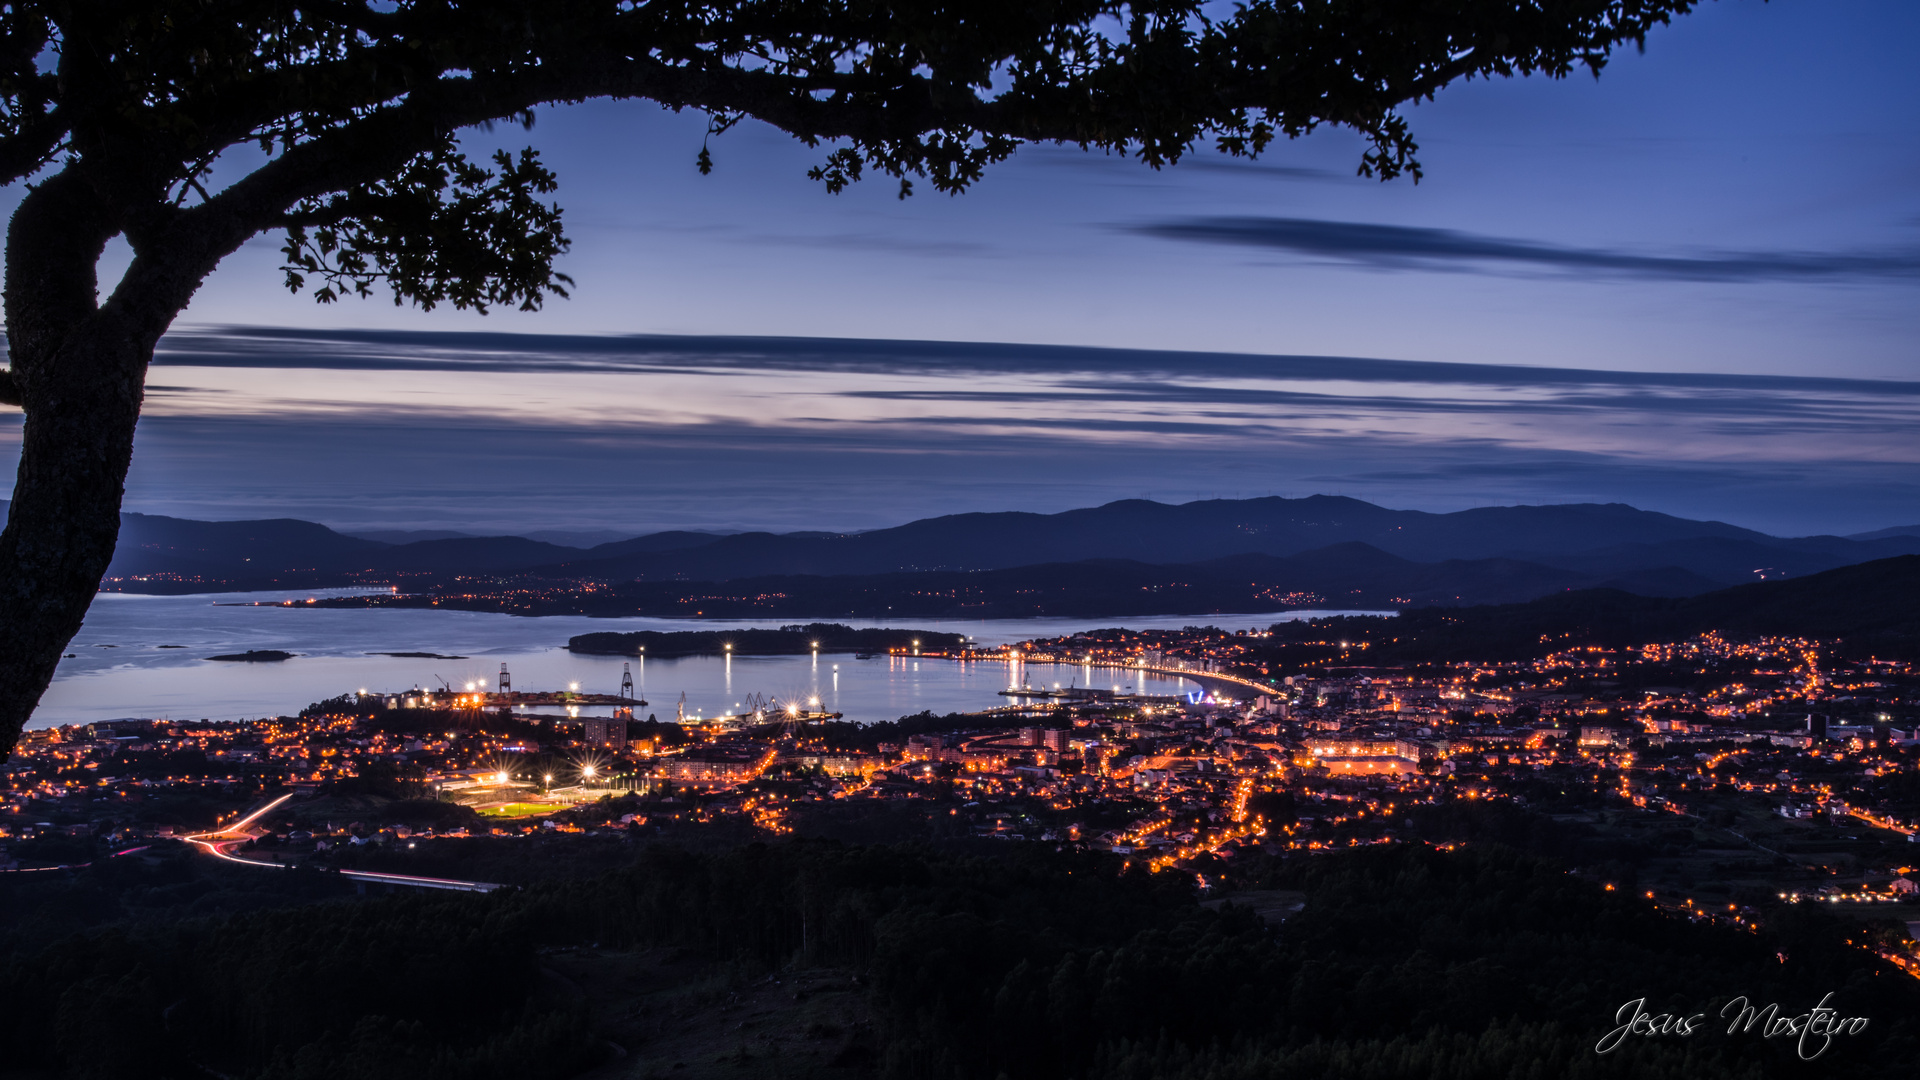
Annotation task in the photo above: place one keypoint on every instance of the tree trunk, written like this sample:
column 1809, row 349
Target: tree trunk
column 79, row 369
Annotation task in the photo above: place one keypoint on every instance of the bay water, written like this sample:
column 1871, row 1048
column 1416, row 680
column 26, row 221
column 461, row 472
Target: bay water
column 146, row 656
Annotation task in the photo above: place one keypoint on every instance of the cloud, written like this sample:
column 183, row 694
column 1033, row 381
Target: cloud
column 712, row 354
column 437, row 472
column 810, row 387
column 1400, row 247
column 379, row 429
column 1264, row 169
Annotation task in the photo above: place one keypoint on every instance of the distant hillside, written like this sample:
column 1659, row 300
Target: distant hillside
column 1873, row 607
column 1720, row 561
column 1344, row 576
column 193, row 555
column 1887, row 534
column 1586, row 544
column 1159, row 533
column 151, row 544
column 407, row 536
column 1594, row 539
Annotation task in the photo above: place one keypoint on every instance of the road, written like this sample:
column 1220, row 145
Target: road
column 1216, row 676
column 217, row 844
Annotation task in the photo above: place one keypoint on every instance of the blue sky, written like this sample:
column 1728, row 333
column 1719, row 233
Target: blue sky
column 1732, row 214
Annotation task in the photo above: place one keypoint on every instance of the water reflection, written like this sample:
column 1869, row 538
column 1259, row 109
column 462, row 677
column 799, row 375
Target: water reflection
column 141, row 656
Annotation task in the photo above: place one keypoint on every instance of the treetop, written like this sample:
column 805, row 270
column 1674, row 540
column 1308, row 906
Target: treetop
column 355, row 104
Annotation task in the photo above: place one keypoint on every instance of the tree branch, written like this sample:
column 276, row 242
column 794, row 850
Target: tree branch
column 54, row 244
column 1158, row 94
column 373, row 147
column 32, row 146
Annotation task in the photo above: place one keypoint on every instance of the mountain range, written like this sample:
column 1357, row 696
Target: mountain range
column 1488, row 554
column 1348, row 576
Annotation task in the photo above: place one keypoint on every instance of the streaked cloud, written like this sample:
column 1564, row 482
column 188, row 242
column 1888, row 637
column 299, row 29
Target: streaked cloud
column 511, row 433
column 1401, row 247
column 833, row 389
column 453, row 352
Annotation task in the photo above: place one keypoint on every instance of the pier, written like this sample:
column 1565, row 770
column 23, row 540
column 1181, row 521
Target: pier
column 623, row 706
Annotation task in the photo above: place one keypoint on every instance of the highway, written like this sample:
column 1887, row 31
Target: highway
column 216, row 844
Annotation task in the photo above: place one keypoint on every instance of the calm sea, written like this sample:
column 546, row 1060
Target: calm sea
column 145, row 656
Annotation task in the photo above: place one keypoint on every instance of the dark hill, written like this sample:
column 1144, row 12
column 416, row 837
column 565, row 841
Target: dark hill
column 1160, row 533
column 301, row 554
column 653, row 543
column 1585, row 544
column 151, row 544
column 467, row 555
column 406, row 536
column 1885, row 534
column 1718, row 560
column 1346, row 576
column 1867, row 600
column 1871, row 607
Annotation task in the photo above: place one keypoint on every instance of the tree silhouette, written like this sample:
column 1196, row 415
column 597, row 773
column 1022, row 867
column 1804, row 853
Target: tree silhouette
column 115, row 112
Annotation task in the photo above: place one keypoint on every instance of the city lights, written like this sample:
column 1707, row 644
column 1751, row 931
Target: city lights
column 1262, row 746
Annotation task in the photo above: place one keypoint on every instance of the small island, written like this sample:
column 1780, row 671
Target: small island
column 786, row 641
column 256, row 656
column 418, row 655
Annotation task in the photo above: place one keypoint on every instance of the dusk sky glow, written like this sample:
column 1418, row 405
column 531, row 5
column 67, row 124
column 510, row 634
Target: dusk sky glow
column 1693, row 285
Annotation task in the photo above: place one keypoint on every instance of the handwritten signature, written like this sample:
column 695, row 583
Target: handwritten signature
column 1813, row 1031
